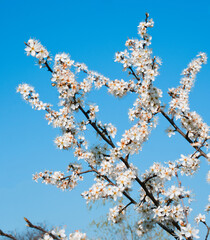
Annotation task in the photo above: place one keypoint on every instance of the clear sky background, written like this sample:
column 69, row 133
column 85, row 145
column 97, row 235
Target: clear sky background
column 91, row 31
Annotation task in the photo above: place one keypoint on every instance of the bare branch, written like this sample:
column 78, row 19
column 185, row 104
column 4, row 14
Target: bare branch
column 7, row 235
column 29, row 224
column 208, row 230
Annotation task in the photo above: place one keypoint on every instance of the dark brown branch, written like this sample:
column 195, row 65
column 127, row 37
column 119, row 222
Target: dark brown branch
column 199, row 148
column 182, row 133
column 208, row 230
column 80, row 173
column 151, row 177
column 48, row 67
column 170, row 231
column 131, row 69
column 93, row 124
column 29, row 224
column 125, row 207
column 7, row 235
column 149, row 194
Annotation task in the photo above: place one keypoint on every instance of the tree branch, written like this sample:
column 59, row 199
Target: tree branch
column 170, row 231
column 109, row 141
column 29, row 224
column 182, row 133
column 208, row 230
column 7, row 235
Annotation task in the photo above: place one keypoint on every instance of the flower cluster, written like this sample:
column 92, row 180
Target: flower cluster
column 112, row 130
column 120, row 179
column 60, row 234
column 101, row 190
column 134, row 138
column 180, row 95
column 196, row 129
column 119, row 88
column 188, row 164
column 35, row 49
column 116, row 214
column 59, row 179
column 65, row 141
column 188, row 232
column 32, row 97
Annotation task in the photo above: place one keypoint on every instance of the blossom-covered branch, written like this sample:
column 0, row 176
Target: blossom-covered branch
column 159, row 201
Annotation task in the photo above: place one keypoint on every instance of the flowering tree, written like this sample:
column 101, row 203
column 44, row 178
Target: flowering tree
column 160, row 202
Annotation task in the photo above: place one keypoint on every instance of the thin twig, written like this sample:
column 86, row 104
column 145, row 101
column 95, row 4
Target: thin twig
column 78, row 173
column 121, row 210
column 151, row 177
column 170, row 231
column 180, row 185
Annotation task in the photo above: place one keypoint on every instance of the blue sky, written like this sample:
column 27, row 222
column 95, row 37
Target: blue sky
column 91, row 31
